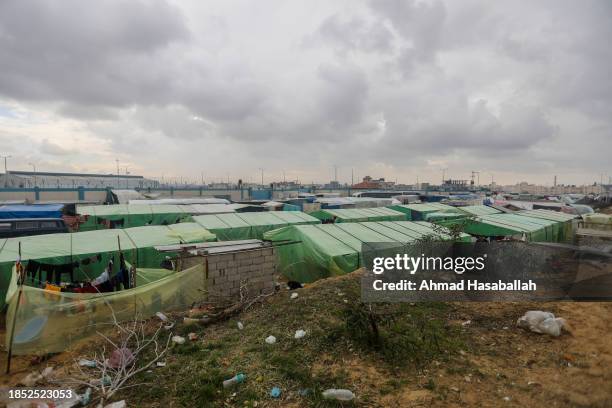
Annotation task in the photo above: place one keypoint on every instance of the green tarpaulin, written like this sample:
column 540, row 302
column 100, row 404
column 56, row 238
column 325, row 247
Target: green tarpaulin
column 478, row 210
column 511, row 225
column 253, row 225
column 313, row 252
column 567, row 223
column 60, row 249
column 359, row 215
column 131, row 215
column 417, row 212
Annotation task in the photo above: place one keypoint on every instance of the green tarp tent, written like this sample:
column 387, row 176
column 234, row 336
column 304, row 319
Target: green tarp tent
column 359, row 215
column 567, row 222
column 131, row 215
column 60, row 249
column 478, row 210
column 417, row 212
column 253, row 225
column 318, row 251
column 511, row 225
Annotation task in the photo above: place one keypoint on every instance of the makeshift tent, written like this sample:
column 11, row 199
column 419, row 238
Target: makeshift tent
column 417, row 212
column 131, row 215
column 251, row 225
column 359, row 215
column 441, row 217
column 48, row 321
column 478, row 210
column 65, row 249
column 31, row 211
column 511, row 225
column 182, row 201
column 567, row 222
column 598, row 221
column 313, row 252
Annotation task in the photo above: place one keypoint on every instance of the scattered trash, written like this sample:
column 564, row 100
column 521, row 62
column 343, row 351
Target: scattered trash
column 106, row 380
column 466, row 323
column 87, row 363
column 292, row 285
column 299, row 334
column 178, row 339
column 294, row 295
column 118, row 404
column 169, row 326
column 237, row 379
column 270, row 339
column 338, row 394
column 34, row 377
column 240, row 326
column 120, row 358
column 303, row 392
column 161, row 364
column 275, row 392
column 506, row 399
column 192, row 336
column 188, row 321
column 162, row 317
column 85, row 398
column 542, row 322
column 454, row 389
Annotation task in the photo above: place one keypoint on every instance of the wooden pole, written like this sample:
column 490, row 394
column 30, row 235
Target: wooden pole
column 20, row 280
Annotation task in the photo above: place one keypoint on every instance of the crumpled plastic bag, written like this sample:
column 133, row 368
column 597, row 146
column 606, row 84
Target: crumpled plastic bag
column 542, row 322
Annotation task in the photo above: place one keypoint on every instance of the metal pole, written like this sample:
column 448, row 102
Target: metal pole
column 34, row 167
column 20, row 280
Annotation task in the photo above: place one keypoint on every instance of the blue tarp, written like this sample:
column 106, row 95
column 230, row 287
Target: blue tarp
column 31, row 211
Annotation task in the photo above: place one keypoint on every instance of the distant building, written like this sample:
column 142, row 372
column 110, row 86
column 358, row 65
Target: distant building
column 368, row 183
column 30, row 179
column 455, row 185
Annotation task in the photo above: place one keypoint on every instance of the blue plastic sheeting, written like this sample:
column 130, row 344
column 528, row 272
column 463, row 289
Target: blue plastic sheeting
column 31, row 211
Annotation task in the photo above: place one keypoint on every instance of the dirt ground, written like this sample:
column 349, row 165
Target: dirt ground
column 499, row 365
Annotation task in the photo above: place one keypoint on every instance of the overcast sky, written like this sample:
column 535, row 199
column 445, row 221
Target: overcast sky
column 521, row 90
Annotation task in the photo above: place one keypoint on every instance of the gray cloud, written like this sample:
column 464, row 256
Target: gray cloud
column 389, row 84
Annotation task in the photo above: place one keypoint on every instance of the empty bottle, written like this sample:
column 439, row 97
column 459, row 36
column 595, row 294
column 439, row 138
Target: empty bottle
column 237, row 379
column 338, row 394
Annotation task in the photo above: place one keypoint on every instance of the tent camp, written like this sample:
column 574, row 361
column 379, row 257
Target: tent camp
column 358, row 215
column 55, row 251
column 418, row 212
column 251, row 225
column 318, row 251
column 130, row 215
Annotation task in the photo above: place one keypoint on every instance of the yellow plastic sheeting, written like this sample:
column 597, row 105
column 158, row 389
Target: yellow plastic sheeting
column 49, row 322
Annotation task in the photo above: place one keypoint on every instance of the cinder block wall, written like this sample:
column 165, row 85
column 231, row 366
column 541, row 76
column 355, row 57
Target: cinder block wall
column 255, row 269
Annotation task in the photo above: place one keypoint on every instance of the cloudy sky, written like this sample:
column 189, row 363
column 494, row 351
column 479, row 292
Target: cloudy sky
column 518, row 90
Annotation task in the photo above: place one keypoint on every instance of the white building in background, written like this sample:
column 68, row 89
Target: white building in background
column 30, row 179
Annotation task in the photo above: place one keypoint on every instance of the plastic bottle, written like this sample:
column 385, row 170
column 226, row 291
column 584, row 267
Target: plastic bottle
column 338, row 394
column 237, row 379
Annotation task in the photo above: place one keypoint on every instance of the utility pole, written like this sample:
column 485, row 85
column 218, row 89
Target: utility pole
column 335, row 173
column 443, row 174
column 117, row 160
column 261, row 169
column 34, row 167
column 5, row 170
column 352, row 178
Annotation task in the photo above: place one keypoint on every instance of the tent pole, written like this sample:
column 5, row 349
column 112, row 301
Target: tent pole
column 20, row 279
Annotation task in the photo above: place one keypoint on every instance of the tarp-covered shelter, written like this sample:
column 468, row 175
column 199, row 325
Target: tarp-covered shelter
column 50, row 321
column 130, row 215
column 31, row 211
column 56, row 250
column 358, row 215
column 418, row 212
column 598, row 221
column 313, row 252
column 478, row 210
column 567, row 222
column 252, row 225
column 512, row 225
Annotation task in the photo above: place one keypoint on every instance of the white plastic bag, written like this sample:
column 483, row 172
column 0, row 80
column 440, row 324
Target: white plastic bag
column 542, row 322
